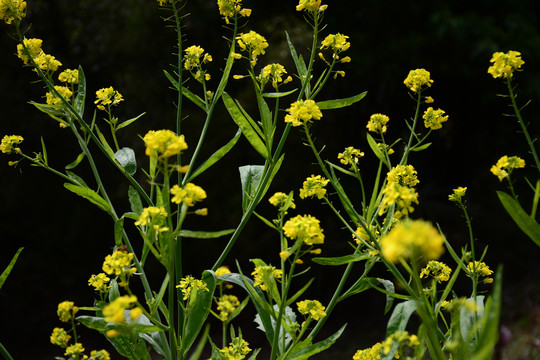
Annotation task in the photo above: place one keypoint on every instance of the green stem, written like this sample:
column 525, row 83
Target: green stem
column 5, row 353
column 413, row 129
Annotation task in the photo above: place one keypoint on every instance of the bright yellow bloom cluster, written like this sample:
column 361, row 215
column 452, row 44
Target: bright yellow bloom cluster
column 107, row 97
column 155, row 216
column 229, row 8
column 75, row 351
column 372, row 353
column 163, row 143
column 337, row 42
column 44, row 61
column 302, row 112
column 69, row 76
column 350, row 156
column 100, row 355
column 505, row 165
column 66, row 311
column 401, row 337
column 402, row 196
column 304, row 228
column 417, row 79
column 412, row 238
column 279, row 199
column 253, row 43
column 311, row 308
column 114, row 312
column 377, row 123
column 275, row 73
column 262, row 275
column 192, row 57
column 434, row 118
column 222, row 270
column 60, row 337
column 237, row 349
column 438, row 270
column 189, row 194
column 481, row 270
column 457, row 194
column 189, row 284
column 226, row 306
column 504, row 65
column 120, row 263
column 314, row 186
column 404, row 175
column 7, row 146
column 361, row 234
column 100, row 282
column 64, row 91
column 311, row 6
column 12, row 10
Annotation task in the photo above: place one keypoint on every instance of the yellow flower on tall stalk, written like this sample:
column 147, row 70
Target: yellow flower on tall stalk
column 237, row 349
column 64, row 91
column 189, row 194
column 100, row 282
column 66, row 311
column 279, row 199
column 377, row 123
column 480, row 269
column 100, row 355
column 311, row 6
column 350, row 156
column 438, row 270
column 372, row 353
column 47, row 62
column 75, row 351
column 418, row 79
column 9, row 142
column 274, row 73
column 433, row 119
column 120, row 263
column 303, row 112
column 457, row 194
column 189, row 284
column 337, row 42
column 152, row 215
column 163, row 143
column 114, row 312
column 229, row 8
column 34, row 49
column 505, row 165
column 402, row 196
column 263, row 274
column 361, row 234
column 69, row 76
column 304, row 228
column 412, row 239
column 12, row 10
column 107, row 97
column 404, row 175
column 253, row 43
column 311, row 308
column 504, row 65
column 222, row 270
column 60, row 337
column 314, row 186
column 226, row 305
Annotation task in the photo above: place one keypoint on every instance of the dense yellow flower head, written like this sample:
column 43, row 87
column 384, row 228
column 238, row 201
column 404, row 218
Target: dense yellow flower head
column 337, row 42
column 60, row 337
column 12, row 10
column 314, row 186
column 222, row 270
column 438, row 270
column 402, row 196
column 372, row 353
column 433, row 119
column 120, row 263
column 417, row 79
column 311, row 308
column 152, row 215
column 100, row 282
column 403, row 339
column 253, row 43
column 350, row 156
column 457, row 194
column 189, row 194
column 226, row 305
column 75, row 351
column 361, row 234
column 412, row 238
column 189, row 284
column 66, row 311
column 377, row 123
column 480, row 269
column 107, row 97
column 47, row 62
column 9, row 142
column 114, row 312
column 164, row 143
column 311, row 6
column 64, row 91
column 404, row 175
column 304, row 228
column 34, row 49
column 237, row 349
column 303, row 112
column 504, row 65
column 279, row 199
column 192, row 60
column 229, row 8
column 69, row 76
column 263, row 274
column 505, row 165
column 100, row 355
column 274, row 73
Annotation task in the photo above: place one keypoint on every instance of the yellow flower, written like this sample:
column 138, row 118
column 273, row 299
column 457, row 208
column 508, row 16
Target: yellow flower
column 403, row 175
column 47, row 62
column 12, row 10
column 314, row 186
column 66, row 311
column 304, row 228
column 438, row 270
column 253, row 43
column 120, row 263
column 504, row 65
column 189, row 284
column 402, row 196
column 7, row 146
column 226, row 306
column 34, row 49
column 302, row 112
column 284, row 254
column 274, row 73
column 75, row 351
column 163, row 143
column 60, row 337
column 434, row 118
column 264, row 274
column 229, row 8
column 152, row 215
column 100, row 355
column 350, row 156
column 377, row 123
column 372, row 353
column 237, row 349
column 69, row 76
column 222, row 270
column 279, row 199
column 480, row 269
column 64, row 91
column 412, row 238
column 361, row 234
column 505, row 165
column 114, row 312
column 457, row 194
column 337, row 42
column 311, row 308
column 107, row 97
column 189, row 194
column 311, row 6
column 417, row 79
column 429, row 100
column 201, row 212
column 99, row 282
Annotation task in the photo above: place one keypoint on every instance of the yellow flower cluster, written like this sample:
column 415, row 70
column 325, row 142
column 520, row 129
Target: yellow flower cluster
column 226, row 306
column 192, row 60
column 253, row 43
column 229, row 8
column 314, row 186
column 155, row 216
column 311, row 308
column 222, row 270
column 237, row 349
column 120, row 263
column 60, row 337
column 438, row 270
column 114, row 312
column 412, row 238
column 404, row 340
column 372, row 353
column 350, row 156
column 66, row 311
column 64, row 91
column 163, row 143
column 75, row 351
column 434, row 118
column 100, row 355
column 279, row 199
column 417, row 79
column 7, row 146
column 481, row 270
column 44, row 61
column 69, row 76
column 337, row 42
column 302, row 112
column 189, row 284
column 264, row 274
column 377, row 123
column 12, row 10
column 504, row 65
column 361, row 234
column 107, row 97
column 311, row 6
column 457, row 194
column 189, row 194
column 100, row 282
column 399, row 190
column 304, row 228
column 505, row 165
column 275, row 73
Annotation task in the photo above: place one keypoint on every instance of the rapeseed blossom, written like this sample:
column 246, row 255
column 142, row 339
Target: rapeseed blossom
column 163, row 143
column 100, row 282
column 100, row 355
column 314, row 186
column 504, row 65
column 64, row 91
column 120, row 263
column 350, row 156
column 107, row 97
column 361, row 234
column 337, row 42
column 480, row 269
column 189, row 284
column 34, row 49
column 311, row 308
column 311, row 6
column 279, row 199
column 505, row 165
column 304, row 228
column 403, row 339
column 457, row 194
column 12, row 10
column 154, row 216
column 433, row 119
column 9, row 142
column 226, row 305
column 75, row 351
column 192, row 57
column 417, row 79
column 189, row 194
column 60, row 337
column 66, row 311
column 402, row 196
column 302, row 112
column 372, row 353
column 253, row 43
column 263, row 275
column 222, row 270
column 377, row 123
column 438, row 270
column 237, row 350
column 69, row 76
column 412, row 238
column 114, row 312
column 229, row 8
column 274, row 73
column 404, row 175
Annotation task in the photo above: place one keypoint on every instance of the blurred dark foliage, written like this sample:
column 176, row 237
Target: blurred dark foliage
column 127, row 45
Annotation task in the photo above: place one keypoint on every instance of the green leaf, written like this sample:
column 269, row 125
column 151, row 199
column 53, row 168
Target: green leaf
column 299, row 292
column 118, row 231
column 89, row 195
column 78, row 102
column 375, row 148
column 250, row 130
column 278, row 94
column 126, row 157
column 51, row 110
column 135, row 201
column 127, row 122
column 204, row 234
column 142, row 325
column 44, row 152
column 400, row 316
column 341, row 260
column 250, row 177
column 104, row 143
column 10, row 266
column 194, row 98
column 306, row 352
column 298, row 61
column 527, row 224
column 340, row 103
column 216, row 156
column 421, row 147
column 76, row 162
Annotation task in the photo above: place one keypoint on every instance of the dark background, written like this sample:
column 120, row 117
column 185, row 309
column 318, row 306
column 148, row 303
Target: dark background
column 126, row 45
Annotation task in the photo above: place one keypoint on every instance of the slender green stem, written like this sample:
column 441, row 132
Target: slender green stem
column 5, row 353
column 413, row 129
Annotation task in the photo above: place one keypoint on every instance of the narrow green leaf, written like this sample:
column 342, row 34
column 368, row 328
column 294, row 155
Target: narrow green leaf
column 310, row 350
column 421, row 147
column 78, row 102
column 226, row 73
column 51, row 110
column 44, row 152
column 126, row 157
column 127, row 122
column 275, row 170
column 341, row 260
column 266, row 221
column 400, row 316
column 104, row 143
column 196, row 354
column 118, row 231
column 299, row 292
column 340, row 103
column 375, row 148
column 274, row 95
column 10, row 266
column 194, row 98
column 135, row 201
column 528, row 225
column 76, row 162
column 76, row 178
column 173, row 81
column 204, row 234
column 89, row 195
column 250, row 176
column 302, row 70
